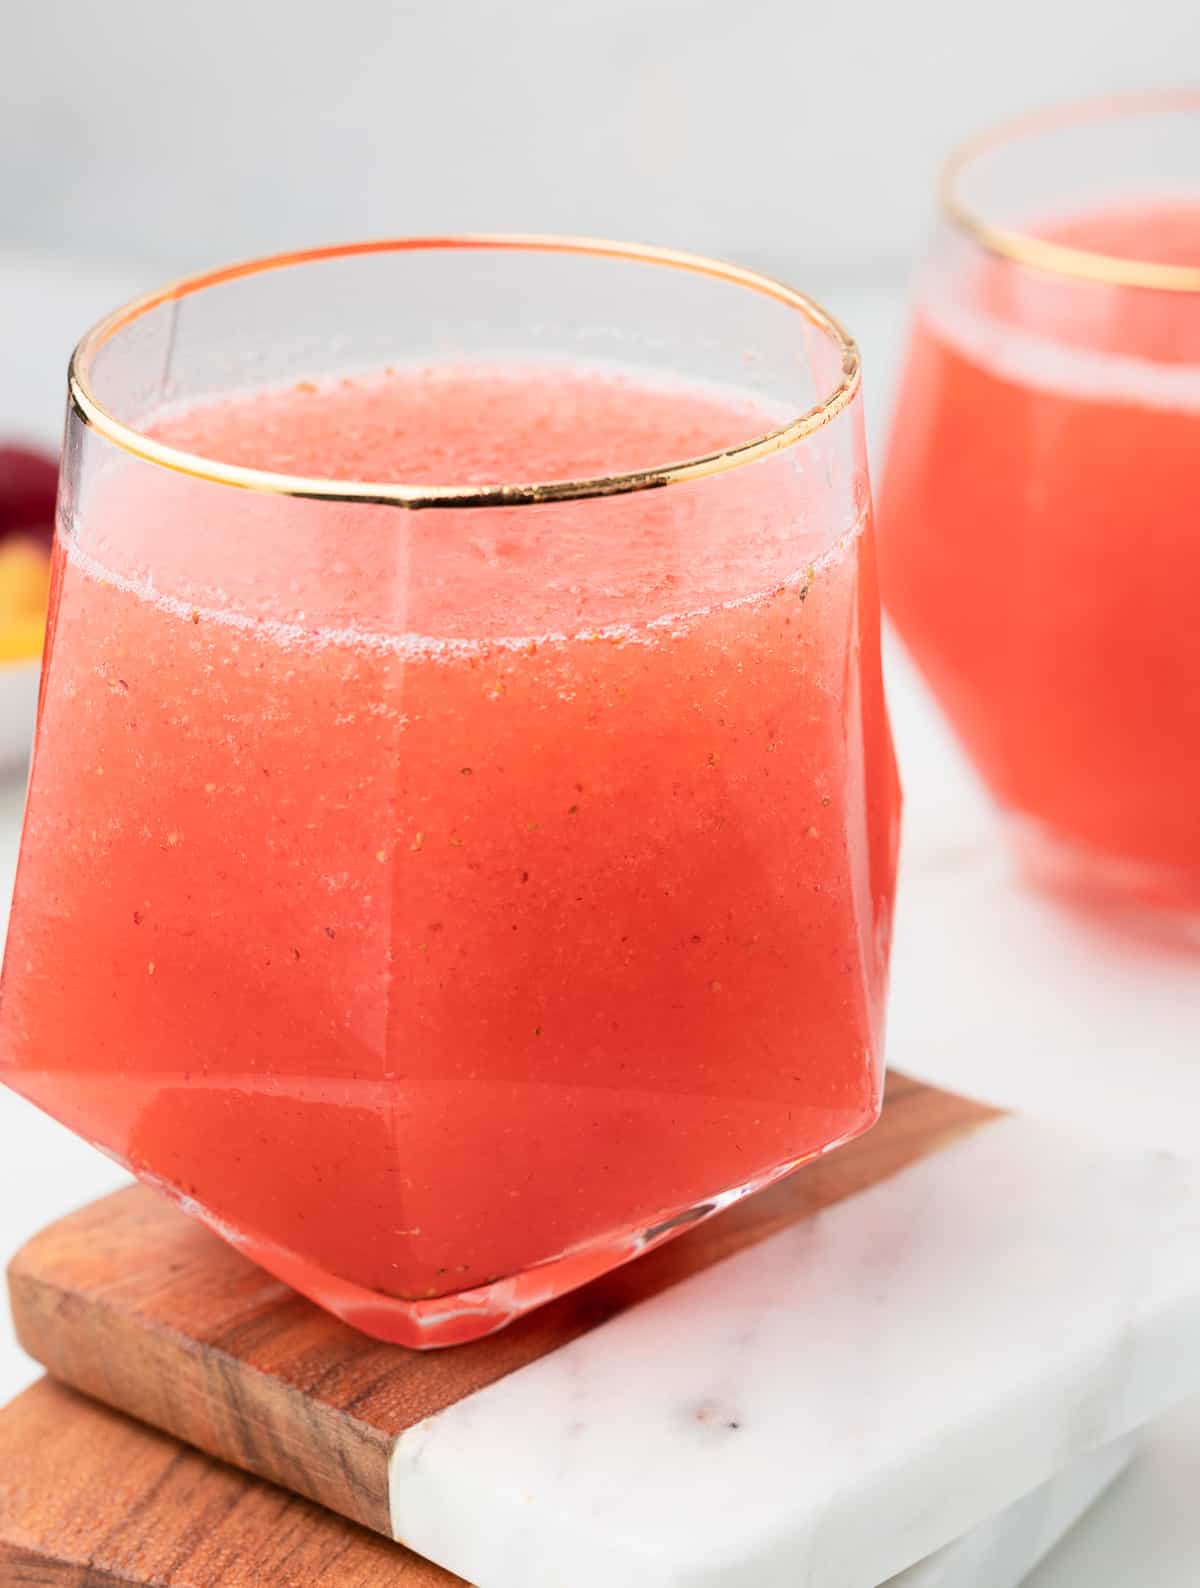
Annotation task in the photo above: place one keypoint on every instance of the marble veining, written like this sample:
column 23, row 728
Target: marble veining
column 839, row 1402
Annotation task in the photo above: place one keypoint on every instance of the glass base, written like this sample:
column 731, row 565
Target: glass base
column 457, row 1317
column 1132, row 896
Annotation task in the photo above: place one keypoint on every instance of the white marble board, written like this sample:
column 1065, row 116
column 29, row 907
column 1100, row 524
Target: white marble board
column 827, row 1408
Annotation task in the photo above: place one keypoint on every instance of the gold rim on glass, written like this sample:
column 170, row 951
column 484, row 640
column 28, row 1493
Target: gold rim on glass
column 1056, row 258
column 387, row 493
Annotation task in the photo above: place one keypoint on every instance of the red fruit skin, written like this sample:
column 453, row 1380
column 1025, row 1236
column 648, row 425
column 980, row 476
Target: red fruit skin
column 28, row 482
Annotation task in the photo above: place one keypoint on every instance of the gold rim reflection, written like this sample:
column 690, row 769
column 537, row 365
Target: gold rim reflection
column 1055, row 258
column 389, row 493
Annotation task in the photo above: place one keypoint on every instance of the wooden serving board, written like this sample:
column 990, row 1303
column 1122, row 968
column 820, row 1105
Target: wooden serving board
column 134, row 1303
column 91, row 1499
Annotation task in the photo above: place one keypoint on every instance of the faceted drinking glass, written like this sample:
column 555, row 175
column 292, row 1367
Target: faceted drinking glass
column 1037, row 519
column 461, row 836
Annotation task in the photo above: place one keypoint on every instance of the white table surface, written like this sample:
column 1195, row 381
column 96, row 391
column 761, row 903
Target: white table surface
column 1144, row 1534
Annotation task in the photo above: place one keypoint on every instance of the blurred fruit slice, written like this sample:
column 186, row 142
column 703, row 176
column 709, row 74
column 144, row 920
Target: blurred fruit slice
column 28, row 480
column 24, row 593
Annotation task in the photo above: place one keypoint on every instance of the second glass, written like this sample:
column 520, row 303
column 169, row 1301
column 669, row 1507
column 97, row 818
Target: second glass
column 1038, row 533
column 448, row 889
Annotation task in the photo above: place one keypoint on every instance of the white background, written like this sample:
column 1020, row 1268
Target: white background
column 781, row 132
column 138, row 139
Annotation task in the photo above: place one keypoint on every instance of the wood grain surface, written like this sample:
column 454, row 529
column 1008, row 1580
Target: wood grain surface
column 91, row 1499
column 138, row 1305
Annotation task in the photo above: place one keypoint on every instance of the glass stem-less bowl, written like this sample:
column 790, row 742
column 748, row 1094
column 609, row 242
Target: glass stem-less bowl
column 461, row 835
column 1038, row 538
